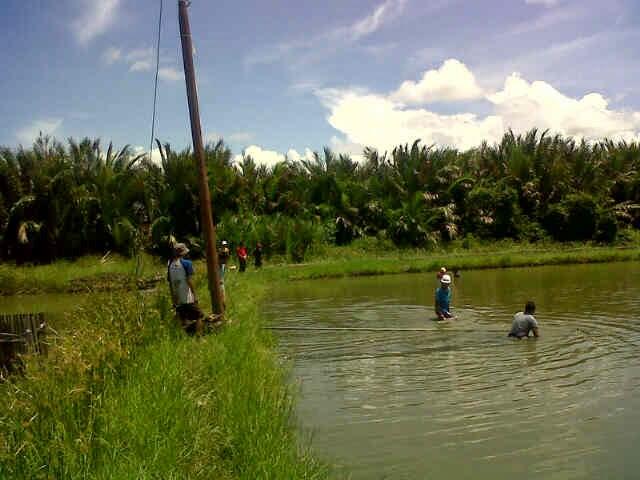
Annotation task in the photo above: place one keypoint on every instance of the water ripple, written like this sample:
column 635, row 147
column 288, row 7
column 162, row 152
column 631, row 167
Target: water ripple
column 461, row 400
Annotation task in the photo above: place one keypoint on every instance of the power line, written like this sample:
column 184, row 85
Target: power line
column 155, row 88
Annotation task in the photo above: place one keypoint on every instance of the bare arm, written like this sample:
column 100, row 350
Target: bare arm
column 535, row 332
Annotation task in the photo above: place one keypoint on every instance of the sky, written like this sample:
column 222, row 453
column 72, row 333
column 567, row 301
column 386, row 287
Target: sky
column 280, row 79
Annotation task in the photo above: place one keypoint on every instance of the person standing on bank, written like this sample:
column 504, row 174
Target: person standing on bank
column 525, row 322
column 242, row 254
column 443, row 298
column 223, row 258
column 257, row 255
column 180, row 275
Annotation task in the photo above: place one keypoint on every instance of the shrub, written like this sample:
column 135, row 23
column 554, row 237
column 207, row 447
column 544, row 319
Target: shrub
column 607, row 228
column 574, row 218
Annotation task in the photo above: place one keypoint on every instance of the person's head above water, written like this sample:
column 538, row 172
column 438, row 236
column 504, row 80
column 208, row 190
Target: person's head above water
column 530, row 307
column 445, row 280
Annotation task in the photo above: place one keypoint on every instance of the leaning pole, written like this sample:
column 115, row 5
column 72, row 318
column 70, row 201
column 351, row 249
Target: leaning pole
column 206, row 211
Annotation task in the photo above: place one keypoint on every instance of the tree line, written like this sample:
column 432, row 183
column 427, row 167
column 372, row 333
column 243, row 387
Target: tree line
column 62, row 201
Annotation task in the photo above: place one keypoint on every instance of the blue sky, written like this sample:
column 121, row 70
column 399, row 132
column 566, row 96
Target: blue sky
column 283, row 78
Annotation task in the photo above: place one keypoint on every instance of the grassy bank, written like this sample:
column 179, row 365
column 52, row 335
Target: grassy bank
column 367, row 257
column 125, row 394
column 87, row 274
column 350, row 262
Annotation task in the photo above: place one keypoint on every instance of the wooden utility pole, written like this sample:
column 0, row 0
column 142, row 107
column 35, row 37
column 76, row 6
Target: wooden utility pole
column 217, row 296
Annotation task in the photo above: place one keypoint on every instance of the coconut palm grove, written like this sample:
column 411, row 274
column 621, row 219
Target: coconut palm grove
column 62, row 200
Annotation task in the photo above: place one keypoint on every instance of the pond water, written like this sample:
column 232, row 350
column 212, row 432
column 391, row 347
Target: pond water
column 54, row 305
column 461, row 400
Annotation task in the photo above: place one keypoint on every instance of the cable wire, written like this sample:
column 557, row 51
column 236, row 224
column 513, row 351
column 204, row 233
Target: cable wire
column 155, row 88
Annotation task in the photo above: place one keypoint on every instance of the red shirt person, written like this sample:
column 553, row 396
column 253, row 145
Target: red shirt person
column 242, row 254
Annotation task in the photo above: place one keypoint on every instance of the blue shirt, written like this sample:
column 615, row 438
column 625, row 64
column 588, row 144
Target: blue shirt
column 443, row 299
column 178, row 271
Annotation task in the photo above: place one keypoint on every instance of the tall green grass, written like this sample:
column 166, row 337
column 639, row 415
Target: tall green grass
column 86, row 274
column 125, row 394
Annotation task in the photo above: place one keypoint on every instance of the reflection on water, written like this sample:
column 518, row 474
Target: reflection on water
column 461, row 400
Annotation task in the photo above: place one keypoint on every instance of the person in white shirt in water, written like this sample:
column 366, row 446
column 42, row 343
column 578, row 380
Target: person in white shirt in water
column 180, row 275
column 525, row 322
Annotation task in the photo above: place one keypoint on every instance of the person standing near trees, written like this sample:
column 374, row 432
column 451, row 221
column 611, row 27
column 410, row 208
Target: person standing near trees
column 525, row 322
column 443, row 298
column 223, row 259
column 257, row 255
column 180, row 275
column 242, row 254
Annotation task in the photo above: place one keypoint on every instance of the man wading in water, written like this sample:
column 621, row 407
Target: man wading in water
column 525, row 322
column 179, row 275
column 443, row 298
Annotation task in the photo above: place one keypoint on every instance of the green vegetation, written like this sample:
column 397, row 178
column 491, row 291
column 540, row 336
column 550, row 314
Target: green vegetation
column 86, row 274
column 125, row 394
column 363, row 256
column 59, row 202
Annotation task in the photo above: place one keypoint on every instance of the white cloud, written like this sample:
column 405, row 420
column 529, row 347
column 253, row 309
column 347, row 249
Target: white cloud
column 170, row 74
column 260, row 156
column 155, row 154
column 29, row 133
column 294, row 156
column 330, row 40
column 452, row 81
column 379, row 122
column 140, row 66
column 145, row 54
column 143, row 60
column 139, row 59
column 340, row 145
column 549, row 19
column 382, row 122
column 546, row 3
column 385, row 12
column 111, row 55
column 524, row 105
column 96, row 17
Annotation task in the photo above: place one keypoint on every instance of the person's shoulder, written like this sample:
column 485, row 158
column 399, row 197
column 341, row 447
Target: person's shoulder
column 187, row 264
